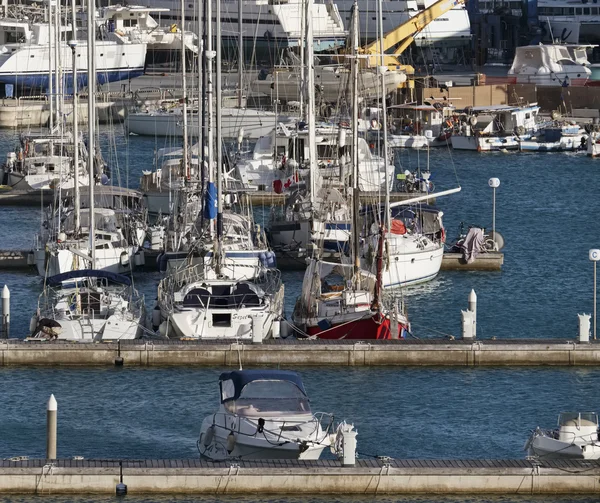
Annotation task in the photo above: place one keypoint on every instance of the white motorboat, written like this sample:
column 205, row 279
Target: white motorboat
column 593, row 144
column 418, row 126
column 495, row 128
column 576, row 437
column 88, row 305
column 558, row 137
column 551, row 64
column 264, row 414
column 134, row 23
column 168, row 121
column 25, row 62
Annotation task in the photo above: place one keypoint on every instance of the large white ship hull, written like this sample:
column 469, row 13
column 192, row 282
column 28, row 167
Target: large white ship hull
column 27, row 65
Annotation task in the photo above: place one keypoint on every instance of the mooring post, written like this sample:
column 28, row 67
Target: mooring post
column 473, row 309
column 51, row 413
column 349, row 450
column 594, row 257
column 5, row 312
column 584, row 327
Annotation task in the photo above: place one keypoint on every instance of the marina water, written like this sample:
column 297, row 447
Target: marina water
column 547, row 213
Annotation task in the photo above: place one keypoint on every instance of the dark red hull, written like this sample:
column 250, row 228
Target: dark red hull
column 363, row 329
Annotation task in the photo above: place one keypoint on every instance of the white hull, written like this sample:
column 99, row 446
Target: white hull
column 297, row 235
column 116, row 260
column 545, row 447
column 412, row 260
column 415, row 141
column 251, row 445
column 567, row 143
column 255, row 123
column 484, row 143
column 28, row 64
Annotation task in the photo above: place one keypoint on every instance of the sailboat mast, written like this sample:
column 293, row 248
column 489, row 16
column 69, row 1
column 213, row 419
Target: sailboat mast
column 50, row 64
column 57, row 62
column 73, row 45
column 354, row 156
column 310, row 105
column 219, row 135
column 91, row 75
column 382, row 72
column 186, row 164
column 209, row 91
column 240, row 49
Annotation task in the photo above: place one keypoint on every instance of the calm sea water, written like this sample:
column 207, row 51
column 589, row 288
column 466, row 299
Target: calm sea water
column 546, row 210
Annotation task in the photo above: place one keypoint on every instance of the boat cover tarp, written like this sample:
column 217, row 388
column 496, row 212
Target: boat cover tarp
column 473, row 244
column 240, row 378
column 58, row 279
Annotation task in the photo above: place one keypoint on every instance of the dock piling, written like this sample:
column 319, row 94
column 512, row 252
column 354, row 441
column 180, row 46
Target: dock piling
column 5, row 312
column 349, row 445
column 51, row 413
column 469, row 318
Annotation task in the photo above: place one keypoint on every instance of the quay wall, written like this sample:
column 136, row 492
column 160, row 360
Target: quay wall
column 457, row 353
column 373, row 477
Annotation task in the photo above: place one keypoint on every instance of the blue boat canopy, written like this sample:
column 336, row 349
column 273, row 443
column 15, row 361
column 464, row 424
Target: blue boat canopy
column 58, row 279
column 240, row 378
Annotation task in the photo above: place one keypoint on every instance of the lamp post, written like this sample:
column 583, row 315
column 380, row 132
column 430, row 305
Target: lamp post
column 594, row 257
column 494, row 183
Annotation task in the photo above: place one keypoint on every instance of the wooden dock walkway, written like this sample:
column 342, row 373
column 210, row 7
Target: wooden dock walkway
column 368, row 476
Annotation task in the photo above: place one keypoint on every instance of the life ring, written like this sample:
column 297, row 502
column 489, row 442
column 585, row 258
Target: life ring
column 344, row 124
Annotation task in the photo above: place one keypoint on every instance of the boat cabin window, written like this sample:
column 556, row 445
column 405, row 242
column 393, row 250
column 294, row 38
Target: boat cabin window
column 578, row 11
column 128, row 23
column 14, row 37
column 270, row 397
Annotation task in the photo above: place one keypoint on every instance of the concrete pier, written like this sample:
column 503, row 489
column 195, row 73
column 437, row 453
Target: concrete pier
column 491, row 261
column 292, row 352
column 367, row 476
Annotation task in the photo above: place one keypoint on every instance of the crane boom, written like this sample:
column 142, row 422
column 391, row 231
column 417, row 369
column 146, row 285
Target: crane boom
column 398, row 39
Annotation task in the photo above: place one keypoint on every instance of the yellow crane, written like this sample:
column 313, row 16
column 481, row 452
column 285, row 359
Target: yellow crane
column 397, row 40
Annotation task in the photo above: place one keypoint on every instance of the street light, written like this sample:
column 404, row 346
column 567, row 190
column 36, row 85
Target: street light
column 494, row 183
column 594, row 257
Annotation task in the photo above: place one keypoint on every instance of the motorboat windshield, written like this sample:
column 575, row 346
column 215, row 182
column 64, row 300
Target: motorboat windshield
column 578, row 419
column 270, row 398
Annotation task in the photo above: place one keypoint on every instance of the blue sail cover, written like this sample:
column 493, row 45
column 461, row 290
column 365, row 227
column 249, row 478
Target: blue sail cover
column 242, row 377
column 210, row 205
column 58, row 279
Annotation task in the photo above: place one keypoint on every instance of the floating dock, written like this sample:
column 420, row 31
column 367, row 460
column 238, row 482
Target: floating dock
column 489, row 261
column 293, row 352
column 374, row 477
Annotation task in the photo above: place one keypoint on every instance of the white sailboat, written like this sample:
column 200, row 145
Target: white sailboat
column 204, row 301
column 88, row 304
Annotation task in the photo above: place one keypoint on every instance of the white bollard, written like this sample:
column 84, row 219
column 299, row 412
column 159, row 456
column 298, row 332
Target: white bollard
column 5, row 312
column 473, row 309
column 349, row 454
column 584, row 327
column 468, row 325
column 51, row 413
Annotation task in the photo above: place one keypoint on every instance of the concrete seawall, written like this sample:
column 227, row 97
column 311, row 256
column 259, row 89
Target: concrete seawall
column 288, row 352
column 390, row 476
